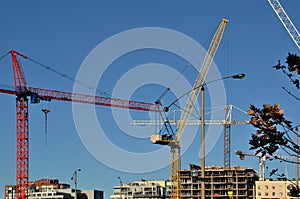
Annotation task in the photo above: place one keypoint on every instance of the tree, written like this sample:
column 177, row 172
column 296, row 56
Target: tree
column 292, row 70
column 273, row 130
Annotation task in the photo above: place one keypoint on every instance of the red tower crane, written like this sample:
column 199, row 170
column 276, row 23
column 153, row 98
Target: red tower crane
column 23, row 93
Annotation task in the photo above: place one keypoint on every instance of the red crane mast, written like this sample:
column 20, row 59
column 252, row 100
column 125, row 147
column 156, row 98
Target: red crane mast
column 23, row 93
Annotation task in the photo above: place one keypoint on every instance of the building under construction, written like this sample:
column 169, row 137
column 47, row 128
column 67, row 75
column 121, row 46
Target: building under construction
column 237, row 182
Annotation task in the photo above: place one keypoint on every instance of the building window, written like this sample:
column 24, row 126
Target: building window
column 266, row 187
column 266, row 193
column 280, row 194
column 273, row 194
column 259, row 193
column 273, row 187
column 259, row 187
column 280, row 187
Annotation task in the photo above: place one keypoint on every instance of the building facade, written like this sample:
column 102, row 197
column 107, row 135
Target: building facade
column 42, row 187
column 237, row 182
column 275, row 189
column 52, row 189
column 140, row 189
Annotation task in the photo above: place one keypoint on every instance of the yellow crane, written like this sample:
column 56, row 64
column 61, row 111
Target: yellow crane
column 174, row 142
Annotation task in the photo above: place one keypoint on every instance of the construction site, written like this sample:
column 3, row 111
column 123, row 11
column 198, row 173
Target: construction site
column 151, row 113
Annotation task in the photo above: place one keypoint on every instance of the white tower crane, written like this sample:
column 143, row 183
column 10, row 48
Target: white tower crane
column 227, row 122
column 286, row 21
column 262, row 159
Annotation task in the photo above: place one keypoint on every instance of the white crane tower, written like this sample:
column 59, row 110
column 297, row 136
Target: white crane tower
column 262, row 159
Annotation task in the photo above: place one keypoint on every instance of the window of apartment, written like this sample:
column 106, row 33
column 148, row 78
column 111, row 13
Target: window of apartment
column 259, row 193
column 266, row 193
column 266, row 187
column 259, row 187
column 273, row 194
column 273, row 187
column 280, row 194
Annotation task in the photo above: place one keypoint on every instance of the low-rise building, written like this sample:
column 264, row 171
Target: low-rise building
column 52, row 189
column 140, row 189
column 275, row 189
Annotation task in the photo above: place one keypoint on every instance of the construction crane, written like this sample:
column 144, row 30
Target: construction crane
column 286, row 21
column 174, row 141
column 22, row 93
column 262, row 159
column 227, row 122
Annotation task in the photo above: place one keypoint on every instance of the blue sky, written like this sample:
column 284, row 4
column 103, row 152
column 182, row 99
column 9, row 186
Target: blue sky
column 61, row 34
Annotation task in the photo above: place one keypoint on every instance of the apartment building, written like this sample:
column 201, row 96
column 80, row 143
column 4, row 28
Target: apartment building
column 140, row 189
column 35, row 189
column 52, row 189
column 273, row 189
column 237, row 182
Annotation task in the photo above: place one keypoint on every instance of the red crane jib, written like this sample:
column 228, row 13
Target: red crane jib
column 46, row 94
column 23, row 92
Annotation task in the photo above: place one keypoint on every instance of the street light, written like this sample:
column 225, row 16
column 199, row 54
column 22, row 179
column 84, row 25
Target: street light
column 166, row 109
column 237, row 76
column 74, row 177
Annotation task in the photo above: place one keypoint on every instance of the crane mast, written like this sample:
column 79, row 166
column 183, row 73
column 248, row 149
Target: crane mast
column 23, row 93
column 227, row 137
column 22, row 148
column 174, row 143
column 286, row 21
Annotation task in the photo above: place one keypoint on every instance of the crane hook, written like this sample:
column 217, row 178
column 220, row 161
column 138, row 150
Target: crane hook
column 46, row 111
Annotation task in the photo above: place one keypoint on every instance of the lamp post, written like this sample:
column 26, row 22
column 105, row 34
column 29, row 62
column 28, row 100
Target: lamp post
column 238, row 76
column 74, row 177
column 166, row 109
column 202, row 146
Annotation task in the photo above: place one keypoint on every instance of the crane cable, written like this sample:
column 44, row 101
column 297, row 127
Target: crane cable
column 55, row 71
column 68, row 77
column 182, row 72
column 4, row 55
